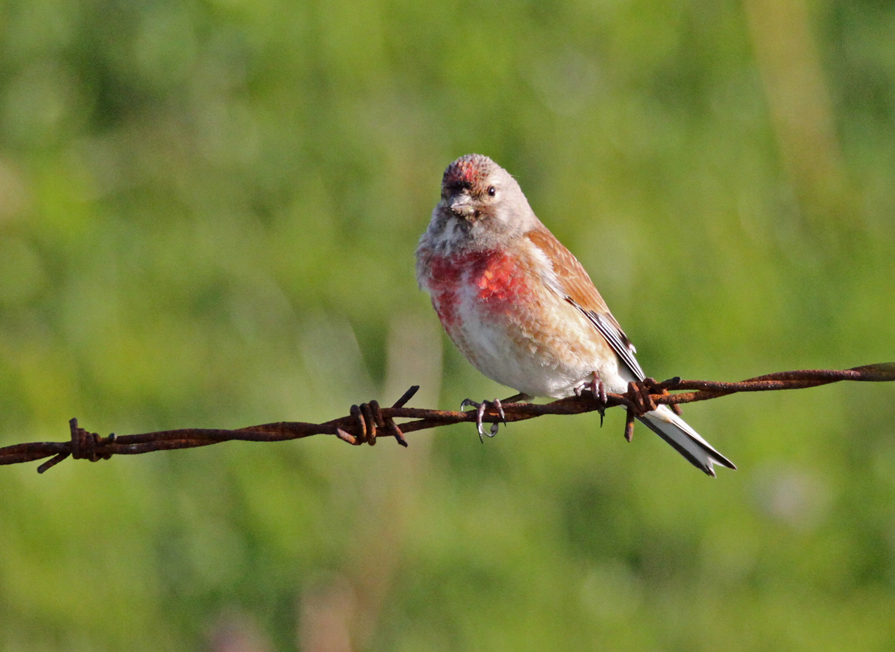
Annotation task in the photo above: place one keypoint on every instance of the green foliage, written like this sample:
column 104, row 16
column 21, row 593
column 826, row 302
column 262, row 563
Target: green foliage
column 208, row 212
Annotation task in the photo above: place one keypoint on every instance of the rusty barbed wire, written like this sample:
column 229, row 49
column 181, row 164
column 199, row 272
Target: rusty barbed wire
column 368, row 422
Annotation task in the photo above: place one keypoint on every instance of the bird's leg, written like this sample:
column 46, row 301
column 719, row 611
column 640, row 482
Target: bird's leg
column 480, row 414
column 503, row 417
column 598, row 390
column 518, row 398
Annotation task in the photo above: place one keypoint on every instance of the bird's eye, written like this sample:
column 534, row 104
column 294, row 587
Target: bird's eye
column 492, row 190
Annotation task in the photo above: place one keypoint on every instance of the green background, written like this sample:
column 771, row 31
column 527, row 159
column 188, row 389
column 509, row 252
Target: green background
column 208, row 212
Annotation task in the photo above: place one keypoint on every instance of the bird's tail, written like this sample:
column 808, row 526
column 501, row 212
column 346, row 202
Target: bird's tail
column 685, row 440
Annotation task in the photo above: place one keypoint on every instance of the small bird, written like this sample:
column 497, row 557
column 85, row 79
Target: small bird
column 520, row 306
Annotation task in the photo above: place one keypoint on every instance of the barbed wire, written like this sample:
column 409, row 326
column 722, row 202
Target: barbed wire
column 368, row 422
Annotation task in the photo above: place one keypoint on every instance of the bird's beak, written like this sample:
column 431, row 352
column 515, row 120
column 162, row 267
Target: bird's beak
column 461, row 206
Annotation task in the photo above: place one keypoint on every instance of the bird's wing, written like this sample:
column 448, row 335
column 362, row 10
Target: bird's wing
column 571, row 281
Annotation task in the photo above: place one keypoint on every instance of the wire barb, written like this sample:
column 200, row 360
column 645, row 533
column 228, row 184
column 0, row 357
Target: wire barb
column 367, row 421
column 629, row 425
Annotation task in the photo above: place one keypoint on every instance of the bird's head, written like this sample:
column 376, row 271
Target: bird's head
column 482, row 201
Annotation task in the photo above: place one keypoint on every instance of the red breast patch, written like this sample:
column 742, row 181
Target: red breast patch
column 492, row 277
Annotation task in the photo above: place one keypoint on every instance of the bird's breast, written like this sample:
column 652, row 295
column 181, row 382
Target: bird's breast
column 510, row 325
column 491, row 280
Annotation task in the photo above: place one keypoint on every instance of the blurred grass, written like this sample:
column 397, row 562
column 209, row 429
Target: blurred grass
column 208, row 212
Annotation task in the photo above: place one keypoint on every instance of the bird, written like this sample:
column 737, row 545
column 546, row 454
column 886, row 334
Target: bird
column 522, row 309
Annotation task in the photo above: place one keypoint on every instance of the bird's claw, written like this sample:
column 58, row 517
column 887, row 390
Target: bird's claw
column 598, row 390
column 480, row 415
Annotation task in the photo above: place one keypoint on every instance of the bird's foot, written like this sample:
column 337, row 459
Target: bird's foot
column 480, row 415
column 598, row 390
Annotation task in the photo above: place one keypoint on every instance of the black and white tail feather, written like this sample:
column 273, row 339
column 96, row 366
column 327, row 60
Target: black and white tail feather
column 684, row 439
column 664, row 422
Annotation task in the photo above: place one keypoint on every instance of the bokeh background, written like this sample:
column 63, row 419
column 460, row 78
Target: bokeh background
column 208, row 212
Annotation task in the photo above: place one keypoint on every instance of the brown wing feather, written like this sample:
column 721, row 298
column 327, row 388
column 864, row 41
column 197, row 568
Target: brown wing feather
column 571, row 274
column 580, row 291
